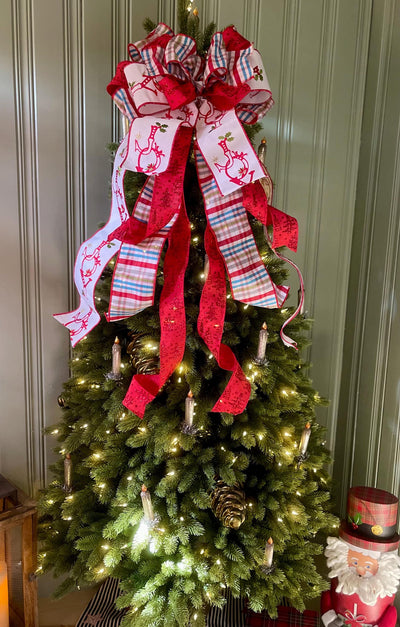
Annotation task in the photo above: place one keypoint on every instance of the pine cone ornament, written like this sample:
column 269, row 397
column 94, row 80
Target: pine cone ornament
column 61, row 401
column 229, row 504
column 143, row 364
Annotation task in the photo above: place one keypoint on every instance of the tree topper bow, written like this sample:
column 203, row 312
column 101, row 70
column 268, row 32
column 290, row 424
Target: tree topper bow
column 168, row 92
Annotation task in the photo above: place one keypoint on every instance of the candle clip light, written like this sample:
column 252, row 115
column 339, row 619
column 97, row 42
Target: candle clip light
column 268, row 565
column 149, row 517
column 305, row 437
column 260, row 358
column 115, row 374
column 67, row 487
column 262, row 150
column 187, row 426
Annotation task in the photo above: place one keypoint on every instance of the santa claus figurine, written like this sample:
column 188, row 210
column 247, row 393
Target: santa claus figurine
column 363, row 562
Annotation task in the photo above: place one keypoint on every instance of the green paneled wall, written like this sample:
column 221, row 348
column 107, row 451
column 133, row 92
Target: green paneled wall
column 57, row 57
column 369, row 418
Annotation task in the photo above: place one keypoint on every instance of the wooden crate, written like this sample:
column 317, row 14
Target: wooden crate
column 18, row 548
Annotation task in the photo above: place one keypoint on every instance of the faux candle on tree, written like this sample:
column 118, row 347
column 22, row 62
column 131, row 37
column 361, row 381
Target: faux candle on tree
column 115, row 373
column 262, row 344
column 68, row 473
column 116, row 357
column 147, row 504
column 189, row 409
column 305, row 436
column 262, row 150
column 268, row 553
column 3, row 595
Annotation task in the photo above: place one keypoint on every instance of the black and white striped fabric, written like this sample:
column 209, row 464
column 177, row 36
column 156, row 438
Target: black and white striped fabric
column 101, row 611
column 231, row 615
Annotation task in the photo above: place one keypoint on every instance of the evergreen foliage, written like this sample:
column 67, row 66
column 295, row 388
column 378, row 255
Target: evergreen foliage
column 172, row 574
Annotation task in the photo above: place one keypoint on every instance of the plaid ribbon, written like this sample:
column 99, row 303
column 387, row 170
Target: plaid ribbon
column 166, row 91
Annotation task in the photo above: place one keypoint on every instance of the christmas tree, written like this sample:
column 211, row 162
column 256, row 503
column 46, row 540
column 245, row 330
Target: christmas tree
column 188, row 501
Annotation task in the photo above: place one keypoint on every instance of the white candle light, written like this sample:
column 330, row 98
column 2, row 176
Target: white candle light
column 68, row 473
column 147, row 505
column 305, row 436
column 115, row 373
column 116, row 357
column 268, row 553
column 262, row 344
column 189, row 409
column 262, row 150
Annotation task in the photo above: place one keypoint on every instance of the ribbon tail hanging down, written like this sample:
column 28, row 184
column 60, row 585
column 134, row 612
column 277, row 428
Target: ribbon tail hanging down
column 93, row 256
column 227, row 217
column 285, row 233
column 210, row 327
column 144, row 388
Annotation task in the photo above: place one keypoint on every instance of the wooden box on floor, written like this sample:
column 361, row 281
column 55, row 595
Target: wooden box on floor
column 18, row 551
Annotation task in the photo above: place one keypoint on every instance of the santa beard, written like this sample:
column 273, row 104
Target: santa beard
column 383, row 584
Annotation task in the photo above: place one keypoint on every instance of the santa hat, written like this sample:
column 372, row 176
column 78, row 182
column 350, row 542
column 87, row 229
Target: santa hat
column 371, row 520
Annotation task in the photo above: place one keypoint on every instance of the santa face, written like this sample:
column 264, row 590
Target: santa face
column 364, row 565
column 367, row 573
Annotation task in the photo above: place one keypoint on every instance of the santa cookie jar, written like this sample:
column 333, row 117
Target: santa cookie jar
column 363, row 562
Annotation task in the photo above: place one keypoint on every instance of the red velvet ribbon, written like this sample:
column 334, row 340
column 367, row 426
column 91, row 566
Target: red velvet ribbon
column 210, row 325
column 285, row 227
column 223, row 97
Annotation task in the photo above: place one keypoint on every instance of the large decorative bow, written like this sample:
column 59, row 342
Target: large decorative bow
column 168, row 92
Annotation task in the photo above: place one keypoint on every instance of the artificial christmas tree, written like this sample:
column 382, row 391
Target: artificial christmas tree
column 185, row 503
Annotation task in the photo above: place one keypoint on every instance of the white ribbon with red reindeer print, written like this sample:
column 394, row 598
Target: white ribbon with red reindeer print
column 94, row 255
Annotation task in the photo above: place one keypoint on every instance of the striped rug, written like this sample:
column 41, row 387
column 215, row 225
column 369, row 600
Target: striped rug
column 101, row 611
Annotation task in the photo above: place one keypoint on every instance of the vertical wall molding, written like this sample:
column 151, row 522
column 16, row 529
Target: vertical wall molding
column 383, row 342
column 123, row 12
column 360, row 294
column 388, row 316
column 252, row 20
column 167, row 13
column 28, row 214
column 211, row 12
column 323, row 94
column 289, row 47
column 75, row 146
column 347, row 199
